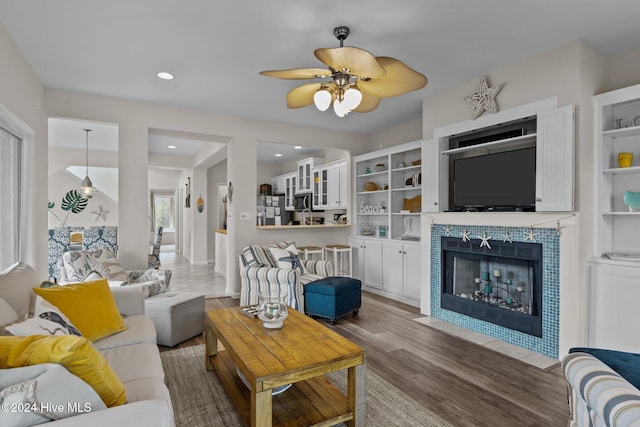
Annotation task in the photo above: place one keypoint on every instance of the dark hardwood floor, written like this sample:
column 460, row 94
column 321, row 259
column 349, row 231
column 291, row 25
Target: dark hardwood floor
column 464, row 383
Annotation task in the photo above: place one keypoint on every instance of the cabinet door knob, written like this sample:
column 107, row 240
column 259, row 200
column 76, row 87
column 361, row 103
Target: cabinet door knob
column 538, row 199
column 399, row 252
column 435, row 203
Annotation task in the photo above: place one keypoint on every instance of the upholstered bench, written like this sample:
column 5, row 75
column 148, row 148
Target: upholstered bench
column 332, row 297
column 603, row 387
column 178, row 316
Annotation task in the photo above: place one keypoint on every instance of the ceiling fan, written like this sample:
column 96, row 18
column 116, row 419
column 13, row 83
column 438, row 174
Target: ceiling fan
column 358, row 82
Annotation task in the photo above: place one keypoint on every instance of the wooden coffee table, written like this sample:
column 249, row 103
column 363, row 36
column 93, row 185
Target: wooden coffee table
column 300, row 353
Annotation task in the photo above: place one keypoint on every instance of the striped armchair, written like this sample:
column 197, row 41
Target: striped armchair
column 261, row 271
column 603, row 387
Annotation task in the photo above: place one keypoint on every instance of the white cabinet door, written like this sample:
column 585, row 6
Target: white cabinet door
column 367, row 261
column 321, row 188
column 338, row 186
column 304, row 173
column 614, row 291
column 357, row 258
column 392, row 261
column 412, row 271
column 373, row 263
column 431, row 159
column 290, row 191
column 555, row 160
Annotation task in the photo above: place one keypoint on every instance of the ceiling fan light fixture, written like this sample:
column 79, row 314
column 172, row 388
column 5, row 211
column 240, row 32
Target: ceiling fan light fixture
column 322, row 99
column 340, row 108
column 358, row 82
column 352, row 98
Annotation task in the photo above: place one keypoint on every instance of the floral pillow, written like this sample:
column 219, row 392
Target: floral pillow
column 80, row 264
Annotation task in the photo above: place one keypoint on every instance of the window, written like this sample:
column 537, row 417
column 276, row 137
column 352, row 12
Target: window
column 11, row 185
column 163, row 210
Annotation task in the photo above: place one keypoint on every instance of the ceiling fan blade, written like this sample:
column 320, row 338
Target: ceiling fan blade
column 297, row 73
column 369, row 102
column 399, row 79
column 359, row 62
column 302, row 95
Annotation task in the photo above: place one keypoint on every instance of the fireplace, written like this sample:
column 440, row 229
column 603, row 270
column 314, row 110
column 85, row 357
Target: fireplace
column 500, row 283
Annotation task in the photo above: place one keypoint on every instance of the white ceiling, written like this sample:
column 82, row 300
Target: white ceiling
column 217, row 48
column 266, row 152
column 69, row 133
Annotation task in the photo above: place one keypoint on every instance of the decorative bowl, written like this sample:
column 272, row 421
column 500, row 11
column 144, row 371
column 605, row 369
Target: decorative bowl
column 370, row 186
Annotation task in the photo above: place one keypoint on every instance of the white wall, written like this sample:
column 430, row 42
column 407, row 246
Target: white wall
column 59, row 184
column 406, row 132
column 22, row 94
column 60, row 181
column 216, row 174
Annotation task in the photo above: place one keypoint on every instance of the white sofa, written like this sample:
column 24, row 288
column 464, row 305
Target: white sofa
column 132, row 354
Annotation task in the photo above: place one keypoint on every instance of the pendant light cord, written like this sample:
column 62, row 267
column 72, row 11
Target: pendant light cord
column 87, row 162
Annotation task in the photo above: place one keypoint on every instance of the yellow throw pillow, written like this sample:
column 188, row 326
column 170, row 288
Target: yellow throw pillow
column 90, row 306
column 75, row 353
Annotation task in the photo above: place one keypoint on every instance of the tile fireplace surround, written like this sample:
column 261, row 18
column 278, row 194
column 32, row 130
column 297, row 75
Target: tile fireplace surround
column 548, row 344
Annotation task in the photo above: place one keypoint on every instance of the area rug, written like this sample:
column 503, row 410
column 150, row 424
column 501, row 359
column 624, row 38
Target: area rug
column 200, row 400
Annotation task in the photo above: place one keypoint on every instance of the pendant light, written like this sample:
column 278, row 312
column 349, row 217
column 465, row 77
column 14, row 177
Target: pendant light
column 87, row 189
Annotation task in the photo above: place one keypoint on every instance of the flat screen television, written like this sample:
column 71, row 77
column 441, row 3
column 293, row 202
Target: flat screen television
column 500, row 181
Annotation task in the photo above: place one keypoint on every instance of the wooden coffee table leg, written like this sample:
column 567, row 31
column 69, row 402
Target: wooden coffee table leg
column 211, row 347
column 357, row 395
column 261, row 409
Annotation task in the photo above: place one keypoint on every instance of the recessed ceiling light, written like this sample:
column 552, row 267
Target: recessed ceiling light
column 298, row 147
column 165, row 75
column 278, row 155
column 171, row 146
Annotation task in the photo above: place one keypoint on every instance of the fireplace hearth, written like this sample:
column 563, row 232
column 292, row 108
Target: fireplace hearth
column 501, row 284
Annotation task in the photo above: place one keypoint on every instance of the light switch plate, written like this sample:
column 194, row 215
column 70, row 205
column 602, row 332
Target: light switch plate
column 245, row 216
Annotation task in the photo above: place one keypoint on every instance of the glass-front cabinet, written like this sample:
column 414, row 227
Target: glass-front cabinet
column 330, row 185
column 320, row 187
column 290, row 191
column 305, row 168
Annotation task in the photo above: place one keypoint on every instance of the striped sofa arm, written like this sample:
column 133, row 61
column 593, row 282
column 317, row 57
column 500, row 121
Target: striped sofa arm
column 319, row 267
column 598, row 396
column 257, row 279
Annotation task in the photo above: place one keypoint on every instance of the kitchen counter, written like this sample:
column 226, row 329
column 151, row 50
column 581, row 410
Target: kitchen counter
column 221, row 231
column 298, row 227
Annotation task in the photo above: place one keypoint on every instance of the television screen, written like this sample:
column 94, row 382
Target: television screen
column 505, row 181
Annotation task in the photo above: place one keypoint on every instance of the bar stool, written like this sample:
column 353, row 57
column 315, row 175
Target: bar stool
column 309, row 251
column 339, row 265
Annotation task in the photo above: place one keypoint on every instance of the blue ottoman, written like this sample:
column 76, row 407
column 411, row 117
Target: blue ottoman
column 332, row 297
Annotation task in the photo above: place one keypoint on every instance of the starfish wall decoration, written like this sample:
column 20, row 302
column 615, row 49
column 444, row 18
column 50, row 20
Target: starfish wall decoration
column 447, row 230
column 506, row 237
column 465, row 236
column 483, row 99
column 530, row 236
column 100, row 213
column 485, row 240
